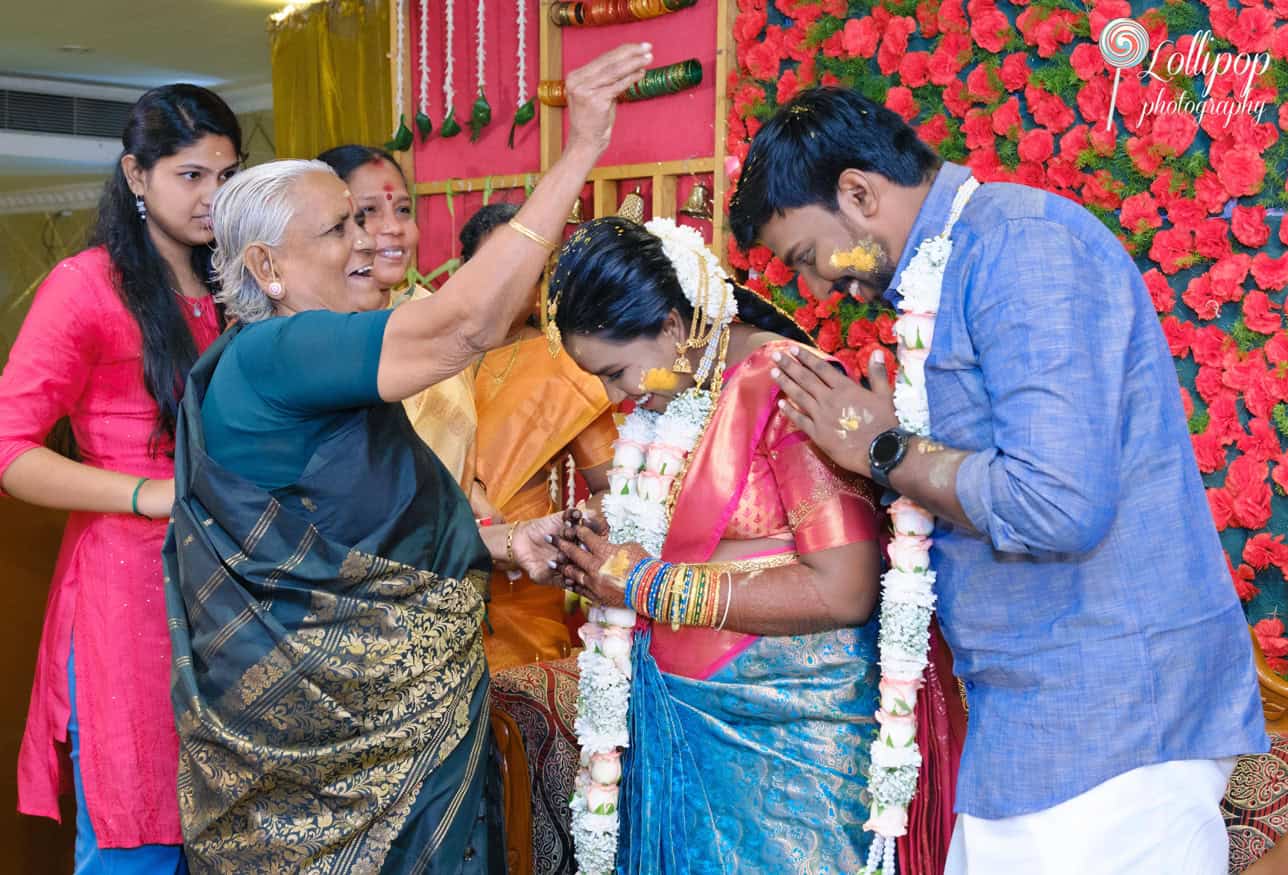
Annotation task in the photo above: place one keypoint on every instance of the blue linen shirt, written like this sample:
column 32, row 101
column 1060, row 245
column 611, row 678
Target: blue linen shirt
column 1091, row 614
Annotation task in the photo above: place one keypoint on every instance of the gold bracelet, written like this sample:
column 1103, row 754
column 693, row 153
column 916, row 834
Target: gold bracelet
column 532, row 235
column 509, row 544
column 760, row 563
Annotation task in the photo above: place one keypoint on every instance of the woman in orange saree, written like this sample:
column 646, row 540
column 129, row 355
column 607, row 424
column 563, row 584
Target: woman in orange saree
column 751, row 705
column 535, row 411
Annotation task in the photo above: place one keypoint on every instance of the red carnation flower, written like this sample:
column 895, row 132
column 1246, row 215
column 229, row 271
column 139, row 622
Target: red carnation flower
column 1280, row 476
column 788, row 86
column 1015, row 71
column 981, row 85
column 1276, row 348
column 1101, row 190
column 1252, row 506
column 1006, row 119
column 836, row 8
column 1228, row 274
column 991, row 29
column 1048, row 110
column 1155, row 25
column 1211, row 345
column 1264, row 549
column 978, row 129
column 1261, row 442
column 927, row 20
column 1093, row 99
column 1208, row 452
column 760, row 256
column 1187, row 403
column 1174, row 132
column 777, row 273
column 952, row 18
column 1270, row 632
column 757, row 285
column 1199, row 295
column 934, row 131
column 1220, row 504
column 1185, row 213
column 894, row 45
column 1087, row 61
column 834, row 45
column 1254, row 30
column 885, row 328
column 985, row 164
column 1104, row 12
column 1064, row 173
column 764, row 57
column 955, row 99
column 829, row 336
column 1173, row 249
column 1140, row 213
column 1223, row 417
column 1258, row 313
column 1179, row 334
column 860, row 38
column 1031, row 173
column 1210, row 192
column 748, row 25
column 1161, row 294
column 1055, row 31
column 1241, row 170
column 1212, row 239
column 1279, row 44
column 914, row 69
column 862, row 333
column 1249, row 226
column 900, row 100
column 805, row 318
column 1243, row 585
column 1270, row 273
column 1038, row 145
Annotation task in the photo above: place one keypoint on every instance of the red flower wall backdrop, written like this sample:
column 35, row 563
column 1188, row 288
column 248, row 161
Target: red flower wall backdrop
column 1018, row 91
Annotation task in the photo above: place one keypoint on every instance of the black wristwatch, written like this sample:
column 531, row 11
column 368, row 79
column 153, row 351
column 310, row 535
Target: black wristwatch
column 886, row 452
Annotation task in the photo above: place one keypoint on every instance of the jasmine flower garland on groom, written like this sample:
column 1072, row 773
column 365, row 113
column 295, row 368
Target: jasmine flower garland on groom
column 1080, row 581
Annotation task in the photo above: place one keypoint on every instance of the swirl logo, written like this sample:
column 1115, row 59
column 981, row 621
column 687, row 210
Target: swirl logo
column 1124, row 43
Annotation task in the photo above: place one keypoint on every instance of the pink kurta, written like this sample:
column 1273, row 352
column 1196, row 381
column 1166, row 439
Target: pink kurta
column 79, row 354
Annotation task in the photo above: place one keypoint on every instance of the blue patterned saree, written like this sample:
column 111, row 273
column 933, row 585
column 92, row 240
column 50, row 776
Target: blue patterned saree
column 748, row 754
column 329, row 682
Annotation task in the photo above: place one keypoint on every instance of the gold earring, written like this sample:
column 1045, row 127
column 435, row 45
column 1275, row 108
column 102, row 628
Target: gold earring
column 682, row 364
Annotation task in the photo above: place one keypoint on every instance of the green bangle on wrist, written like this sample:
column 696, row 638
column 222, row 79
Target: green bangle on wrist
column 134, row 499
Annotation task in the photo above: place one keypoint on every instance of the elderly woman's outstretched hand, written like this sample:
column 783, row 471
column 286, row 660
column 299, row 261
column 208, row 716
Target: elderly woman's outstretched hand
column 592, row 92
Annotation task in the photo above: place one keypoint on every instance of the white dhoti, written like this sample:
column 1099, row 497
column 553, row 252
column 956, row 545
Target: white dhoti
column 1164, row 818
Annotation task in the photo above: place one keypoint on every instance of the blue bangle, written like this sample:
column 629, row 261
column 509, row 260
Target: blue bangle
column 633, row 580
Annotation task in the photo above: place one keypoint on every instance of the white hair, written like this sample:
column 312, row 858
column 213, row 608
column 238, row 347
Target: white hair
column 254, row 206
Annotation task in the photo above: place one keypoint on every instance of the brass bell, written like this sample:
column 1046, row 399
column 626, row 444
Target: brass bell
column 575, row 217
column 632, row 207
column 698, row 204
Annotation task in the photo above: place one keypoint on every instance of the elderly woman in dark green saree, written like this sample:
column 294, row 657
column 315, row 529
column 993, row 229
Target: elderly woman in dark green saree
column 324, row 570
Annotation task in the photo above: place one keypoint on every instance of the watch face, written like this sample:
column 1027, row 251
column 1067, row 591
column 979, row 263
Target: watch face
column 885, row 448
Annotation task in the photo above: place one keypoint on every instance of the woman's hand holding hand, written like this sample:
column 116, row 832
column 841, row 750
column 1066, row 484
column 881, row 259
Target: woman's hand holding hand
column 591, row 566
column 534, row 547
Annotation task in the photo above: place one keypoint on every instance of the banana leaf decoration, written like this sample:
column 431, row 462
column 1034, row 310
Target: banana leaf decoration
column 425, row 125
column 480, row 116
column 450, row 128
column 402, row 138
column 522, row 116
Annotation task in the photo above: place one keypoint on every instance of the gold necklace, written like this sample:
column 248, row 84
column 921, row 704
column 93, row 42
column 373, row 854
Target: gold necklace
column 498, row 379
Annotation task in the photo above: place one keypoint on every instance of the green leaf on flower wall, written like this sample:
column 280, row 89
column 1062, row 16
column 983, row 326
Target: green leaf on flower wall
column 1280, row 416
column 1008, row 152
column 1247, row 339
column 1199, row 422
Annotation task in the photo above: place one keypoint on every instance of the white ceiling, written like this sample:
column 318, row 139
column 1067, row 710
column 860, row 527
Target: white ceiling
column 134, row 45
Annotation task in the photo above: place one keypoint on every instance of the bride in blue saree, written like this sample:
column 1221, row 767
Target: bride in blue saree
column 325, row 575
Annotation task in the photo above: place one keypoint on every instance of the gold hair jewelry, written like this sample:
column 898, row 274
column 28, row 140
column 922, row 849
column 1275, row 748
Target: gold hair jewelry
column 532, row 235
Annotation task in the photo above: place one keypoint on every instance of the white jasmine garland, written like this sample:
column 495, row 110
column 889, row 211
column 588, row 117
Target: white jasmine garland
column 649, row 456
column 481, row 52
column 449, row 52
column 423, row 103
column 907, row 589
column 400, row 59
column 521, row 22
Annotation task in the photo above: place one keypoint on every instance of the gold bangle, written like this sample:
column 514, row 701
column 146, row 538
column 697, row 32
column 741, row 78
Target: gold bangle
column 532, row 235
column 760, row 563
column 509, row 543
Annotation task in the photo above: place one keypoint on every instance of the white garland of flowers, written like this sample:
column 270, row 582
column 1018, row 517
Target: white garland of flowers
column 648, row 457
column 449, row 52
column 521, row 23
column 423, row 103
column 907, row 589
column 481, row 52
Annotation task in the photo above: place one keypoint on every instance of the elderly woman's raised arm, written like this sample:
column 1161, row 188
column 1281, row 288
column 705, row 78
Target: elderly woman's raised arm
column 430, row 340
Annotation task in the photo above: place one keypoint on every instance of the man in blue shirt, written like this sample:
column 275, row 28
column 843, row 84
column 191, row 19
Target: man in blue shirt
column 1080, row 580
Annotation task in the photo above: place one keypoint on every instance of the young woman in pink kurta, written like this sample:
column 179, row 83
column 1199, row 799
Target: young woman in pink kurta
column 108, row 342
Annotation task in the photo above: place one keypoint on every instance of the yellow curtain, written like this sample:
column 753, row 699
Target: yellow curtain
column 331, row 80
column 31, row 244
